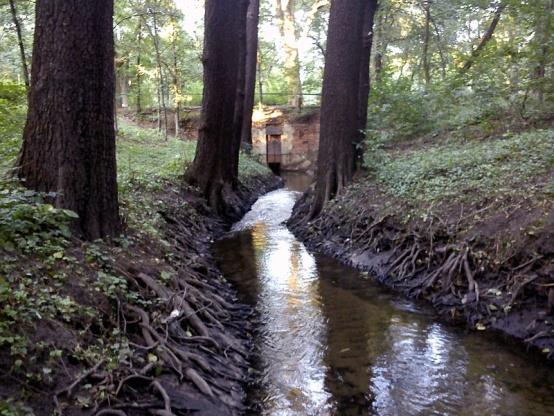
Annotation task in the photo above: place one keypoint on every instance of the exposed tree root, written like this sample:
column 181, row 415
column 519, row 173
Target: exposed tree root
column 189, row 343
column 463, row 276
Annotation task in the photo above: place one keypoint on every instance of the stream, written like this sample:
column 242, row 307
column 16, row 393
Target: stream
column 331, row 341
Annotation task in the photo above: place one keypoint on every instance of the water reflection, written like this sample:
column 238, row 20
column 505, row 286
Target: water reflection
column 331, row 343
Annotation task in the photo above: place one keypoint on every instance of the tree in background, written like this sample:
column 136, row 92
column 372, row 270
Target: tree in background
column 213, row 167
column 339, row 101
column 20, row 42
column 163, row 63
column 69, row 139
column 17, row 21
column 284, row 11
column 487, row 36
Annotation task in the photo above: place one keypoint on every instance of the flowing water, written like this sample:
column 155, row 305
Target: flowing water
column 332, row 342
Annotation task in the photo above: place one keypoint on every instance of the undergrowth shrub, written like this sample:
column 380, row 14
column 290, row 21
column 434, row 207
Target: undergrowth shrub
column 29, row 224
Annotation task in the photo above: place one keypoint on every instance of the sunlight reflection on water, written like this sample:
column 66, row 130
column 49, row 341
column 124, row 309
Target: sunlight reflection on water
column 331, row 343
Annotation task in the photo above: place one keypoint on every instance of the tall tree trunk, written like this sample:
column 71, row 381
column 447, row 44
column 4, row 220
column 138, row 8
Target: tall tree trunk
column 339, row 111
column 24, row 66
column 364, row 88
column 426, row 39
column 287, row 27
column 69, row 140
column 487, row 36
column 212, row 169
column 252, row 20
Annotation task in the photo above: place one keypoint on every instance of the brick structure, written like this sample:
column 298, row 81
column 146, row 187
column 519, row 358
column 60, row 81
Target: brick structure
column 286, row 140
column 291, row 138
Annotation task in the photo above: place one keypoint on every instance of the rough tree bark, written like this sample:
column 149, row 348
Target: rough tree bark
column 287, row 27
column 24, row 67
column 364, row 87
column 252, row 20
column 339, row 101
column 487, row 36
column 212, row 169
column 69, row 139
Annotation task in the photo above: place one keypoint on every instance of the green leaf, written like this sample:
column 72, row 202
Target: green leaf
column 70, row 214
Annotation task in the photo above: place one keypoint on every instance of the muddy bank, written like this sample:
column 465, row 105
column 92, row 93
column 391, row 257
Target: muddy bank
column 489, row 265
column 152, row 326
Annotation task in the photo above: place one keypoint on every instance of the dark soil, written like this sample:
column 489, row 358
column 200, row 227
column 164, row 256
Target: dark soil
column 189, row 341
column 489, row 265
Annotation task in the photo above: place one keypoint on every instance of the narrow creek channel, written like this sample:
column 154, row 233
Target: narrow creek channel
column 330, row 342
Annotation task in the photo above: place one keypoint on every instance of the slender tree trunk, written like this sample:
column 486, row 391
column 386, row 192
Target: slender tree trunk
column 260, row 79
column 487, row 36
column 364, row 88
column 159, row 96
column 287, row 28
column 24, row 66
column 339, row 102
column 252, row 19
column 381, row 48
column 426, row 39
column 124, row 83
column 441, row 52
column 162, row 108
column 212, row 170
column 69, row 140
column 139, row 71
column 176, row 89
column 543, row 33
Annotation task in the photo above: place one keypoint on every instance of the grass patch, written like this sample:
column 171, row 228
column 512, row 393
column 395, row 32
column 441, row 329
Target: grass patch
column 149, row 164
column 474, row 170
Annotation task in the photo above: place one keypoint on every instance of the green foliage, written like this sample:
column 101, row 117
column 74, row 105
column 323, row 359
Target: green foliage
column 12, row 118
column 471, row 170
column 30, row 225
column 249, row 167
column 146, row 164
column 26, row 298
column 10, row 407
column 10, row 57
column 395, row 110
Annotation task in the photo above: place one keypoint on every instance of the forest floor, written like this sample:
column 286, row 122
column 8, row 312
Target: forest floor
column 463, row 219
column 142, row 324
